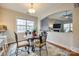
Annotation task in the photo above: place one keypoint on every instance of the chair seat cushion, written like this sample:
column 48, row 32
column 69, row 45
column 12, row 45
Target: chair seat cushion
column 22, row 43
column 38, row 44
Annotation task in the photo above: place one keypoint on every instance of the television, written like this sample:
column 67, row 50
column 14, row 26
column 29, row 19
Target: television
column 56, row 25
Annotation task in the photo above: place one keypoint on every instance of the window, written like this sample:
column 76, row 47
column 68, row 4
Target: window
column 30, row 25
column 68, row 27
column 24, row 25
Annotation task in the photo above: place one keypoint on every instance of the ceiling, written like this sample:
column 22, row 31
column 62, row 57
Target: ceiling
column 42, row 9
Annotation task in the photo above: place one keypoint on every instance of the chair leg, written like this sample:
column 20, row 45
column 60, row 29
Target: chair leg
column 28, row 49
column 40, row 51
column 46, row 50
column 33, row 48
column 17, row 52
column 25, row 47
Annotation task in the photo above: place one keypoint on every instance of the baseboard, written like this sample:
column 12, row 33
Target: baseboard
column 72, row 53
column 75, row 49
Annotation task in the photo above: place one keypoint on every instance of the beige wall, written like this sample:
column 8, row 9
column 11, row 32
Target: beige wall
column 76, row 29
column 0, row 16
column 8, row 17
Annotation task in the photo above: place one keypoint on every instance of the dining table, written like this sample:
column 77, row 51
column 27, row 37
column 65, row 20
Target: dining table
column 31, row 40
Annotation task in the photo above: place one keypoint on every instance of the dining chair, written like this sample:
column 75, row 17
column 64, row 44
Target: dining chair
column 20, row 44
column 40, row 43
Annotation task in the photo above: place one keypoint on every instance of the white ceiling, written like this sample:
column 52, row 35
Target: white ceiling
column 60, row 15
column 41, row 8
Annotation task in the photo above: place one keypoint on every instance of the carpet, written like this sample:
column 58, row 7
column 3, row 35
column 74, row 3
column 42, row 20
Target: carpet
column 52, row 51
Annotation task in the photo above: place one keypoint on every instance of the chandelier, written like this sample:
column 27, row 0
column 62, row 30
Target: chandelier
column 31, row 9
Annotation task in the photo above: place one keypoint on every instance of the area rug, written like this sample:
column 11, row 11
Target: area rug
column 52, row 51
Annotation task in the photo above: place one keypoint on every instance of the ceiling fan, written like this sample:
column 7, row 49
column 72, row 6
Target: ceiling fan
column 67, row 14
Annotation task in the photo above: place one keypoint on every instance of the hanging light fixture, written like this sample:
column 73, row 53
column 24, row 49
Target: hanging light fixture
column 31, row 10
